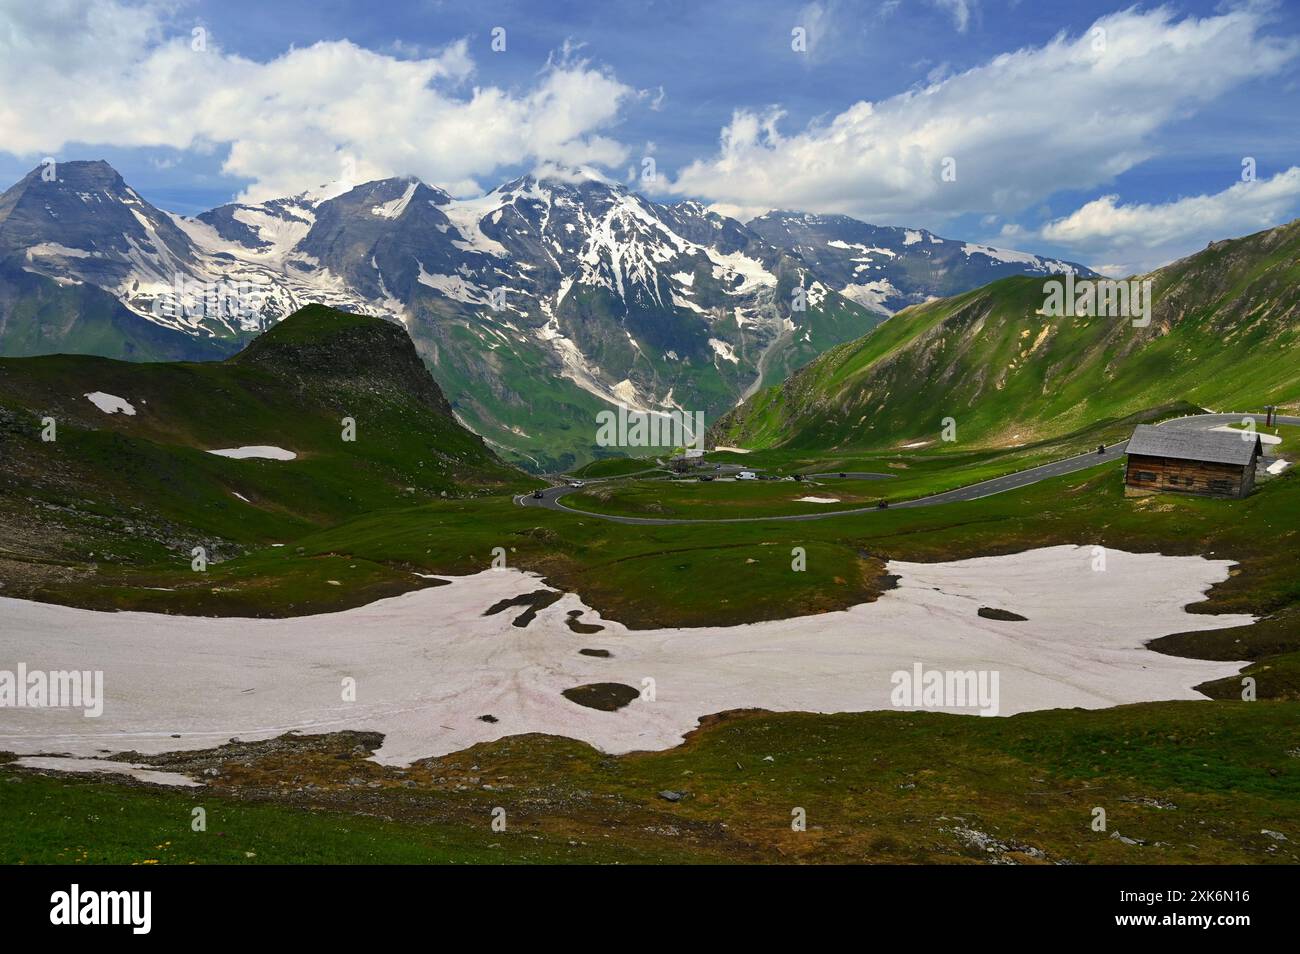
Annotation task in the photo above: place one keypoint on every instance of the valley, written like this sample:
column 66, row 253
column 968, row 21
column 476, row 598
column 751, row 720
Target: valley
column 290, row 538
column 312, row 509
column 844, row 433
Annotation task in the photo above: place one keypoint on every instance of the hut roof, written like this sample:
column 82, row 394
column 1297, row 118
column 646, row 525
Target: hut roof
column 1184, row 443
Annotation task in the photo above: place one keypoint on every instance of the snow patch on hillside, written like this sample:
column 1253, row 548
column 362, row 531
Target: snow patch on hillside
column 111, row 403
column 453, row 286
column 395, row 208
column 467, row 215
column 871, row 295
column 751, row 271
column 255, row 451
column 723, row 350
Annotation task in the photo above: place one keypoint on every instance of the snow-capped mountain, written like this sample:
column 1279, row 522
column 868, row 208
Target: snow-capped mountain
column 85, row 225
column 886, row 268
column 535, row 305
column 92, row 227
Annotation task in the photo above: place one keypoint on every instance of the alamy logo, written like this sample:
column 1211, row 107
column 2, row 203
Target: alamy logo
column 225, row 301
column 922, row 688
column 60, row 689
column 103, row 907
column 1100, row 298
column 624, row 428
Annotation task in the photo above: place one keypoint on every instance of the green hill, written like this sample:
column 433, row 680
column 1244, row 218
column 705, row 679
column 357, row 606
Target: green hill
column 1223, row 336
column 117, row 488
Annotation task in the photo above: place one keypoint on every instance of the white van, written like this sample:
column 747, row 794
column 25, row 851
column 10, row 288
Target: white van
column 747, row 475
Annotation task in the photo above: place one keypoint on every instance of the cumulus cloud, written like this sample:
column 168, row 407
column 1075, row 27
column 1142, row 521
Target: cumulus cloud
column 1136, row 237
column 1071, row 114
column 107, row 73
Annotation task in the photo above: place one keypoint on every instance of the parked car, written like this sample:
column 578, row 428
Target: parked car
column 578, row 483
column 747, row 475
column 798, row 476
column 706, row 476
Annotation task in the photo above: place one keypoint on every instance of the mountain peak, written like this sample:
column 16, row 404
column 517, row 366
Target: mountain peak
column 808, row 218
column 80, row 221
column 327, row 191
column 565, row 178
column 92, row 174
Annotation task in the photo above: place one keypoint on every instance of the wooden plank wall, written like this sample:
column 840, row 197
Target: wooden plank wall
column 1188, row 476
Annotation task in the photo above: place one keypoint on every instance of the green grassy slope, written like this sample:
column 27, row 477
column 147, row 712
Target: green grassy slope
column 1183, row 782
column 1223, row 335
column 134, row 489
column 40, row 316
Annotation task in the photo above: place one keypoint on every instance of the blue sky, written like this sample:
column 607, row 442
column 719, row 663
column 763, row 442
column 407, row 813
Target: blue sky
column 1124, row 161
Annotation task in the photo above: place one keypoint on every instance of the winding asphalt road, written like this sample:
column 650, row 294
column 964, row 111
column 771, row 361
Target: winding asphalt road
column 550, row 499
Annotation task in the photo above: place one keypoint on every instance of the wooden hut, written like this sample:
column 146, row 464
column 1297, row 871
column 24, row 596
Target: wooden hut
column 1189, row 461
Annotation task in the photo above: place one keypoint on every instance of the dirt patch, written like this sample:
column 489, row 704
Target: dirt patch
column 535, row 601
column 605, row 696
column 586, row 629
column 989, row 612
column 598, row 653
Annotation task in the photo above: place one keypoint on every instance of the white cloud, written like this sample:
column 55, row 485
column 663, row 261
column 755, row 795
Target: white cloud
column 960, row 11
column 106, row 73
column 741, row 213
column 1025, row 125
column 816, row 19
column 1134, row 238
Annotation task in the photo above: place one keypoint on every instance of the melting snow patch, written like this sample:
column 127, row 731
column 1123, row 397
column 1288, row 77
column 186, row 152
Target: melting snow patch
column 1269, row 439
column 723, row 350
column 1003, row 255
column 872, row 294
column 46, row 249
column 262, row 451
column 142, row 773
column 110, row 403
column 453, row 286
column 467, row 215
column 751, row 271
column 395, row 208
column 432, row 661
